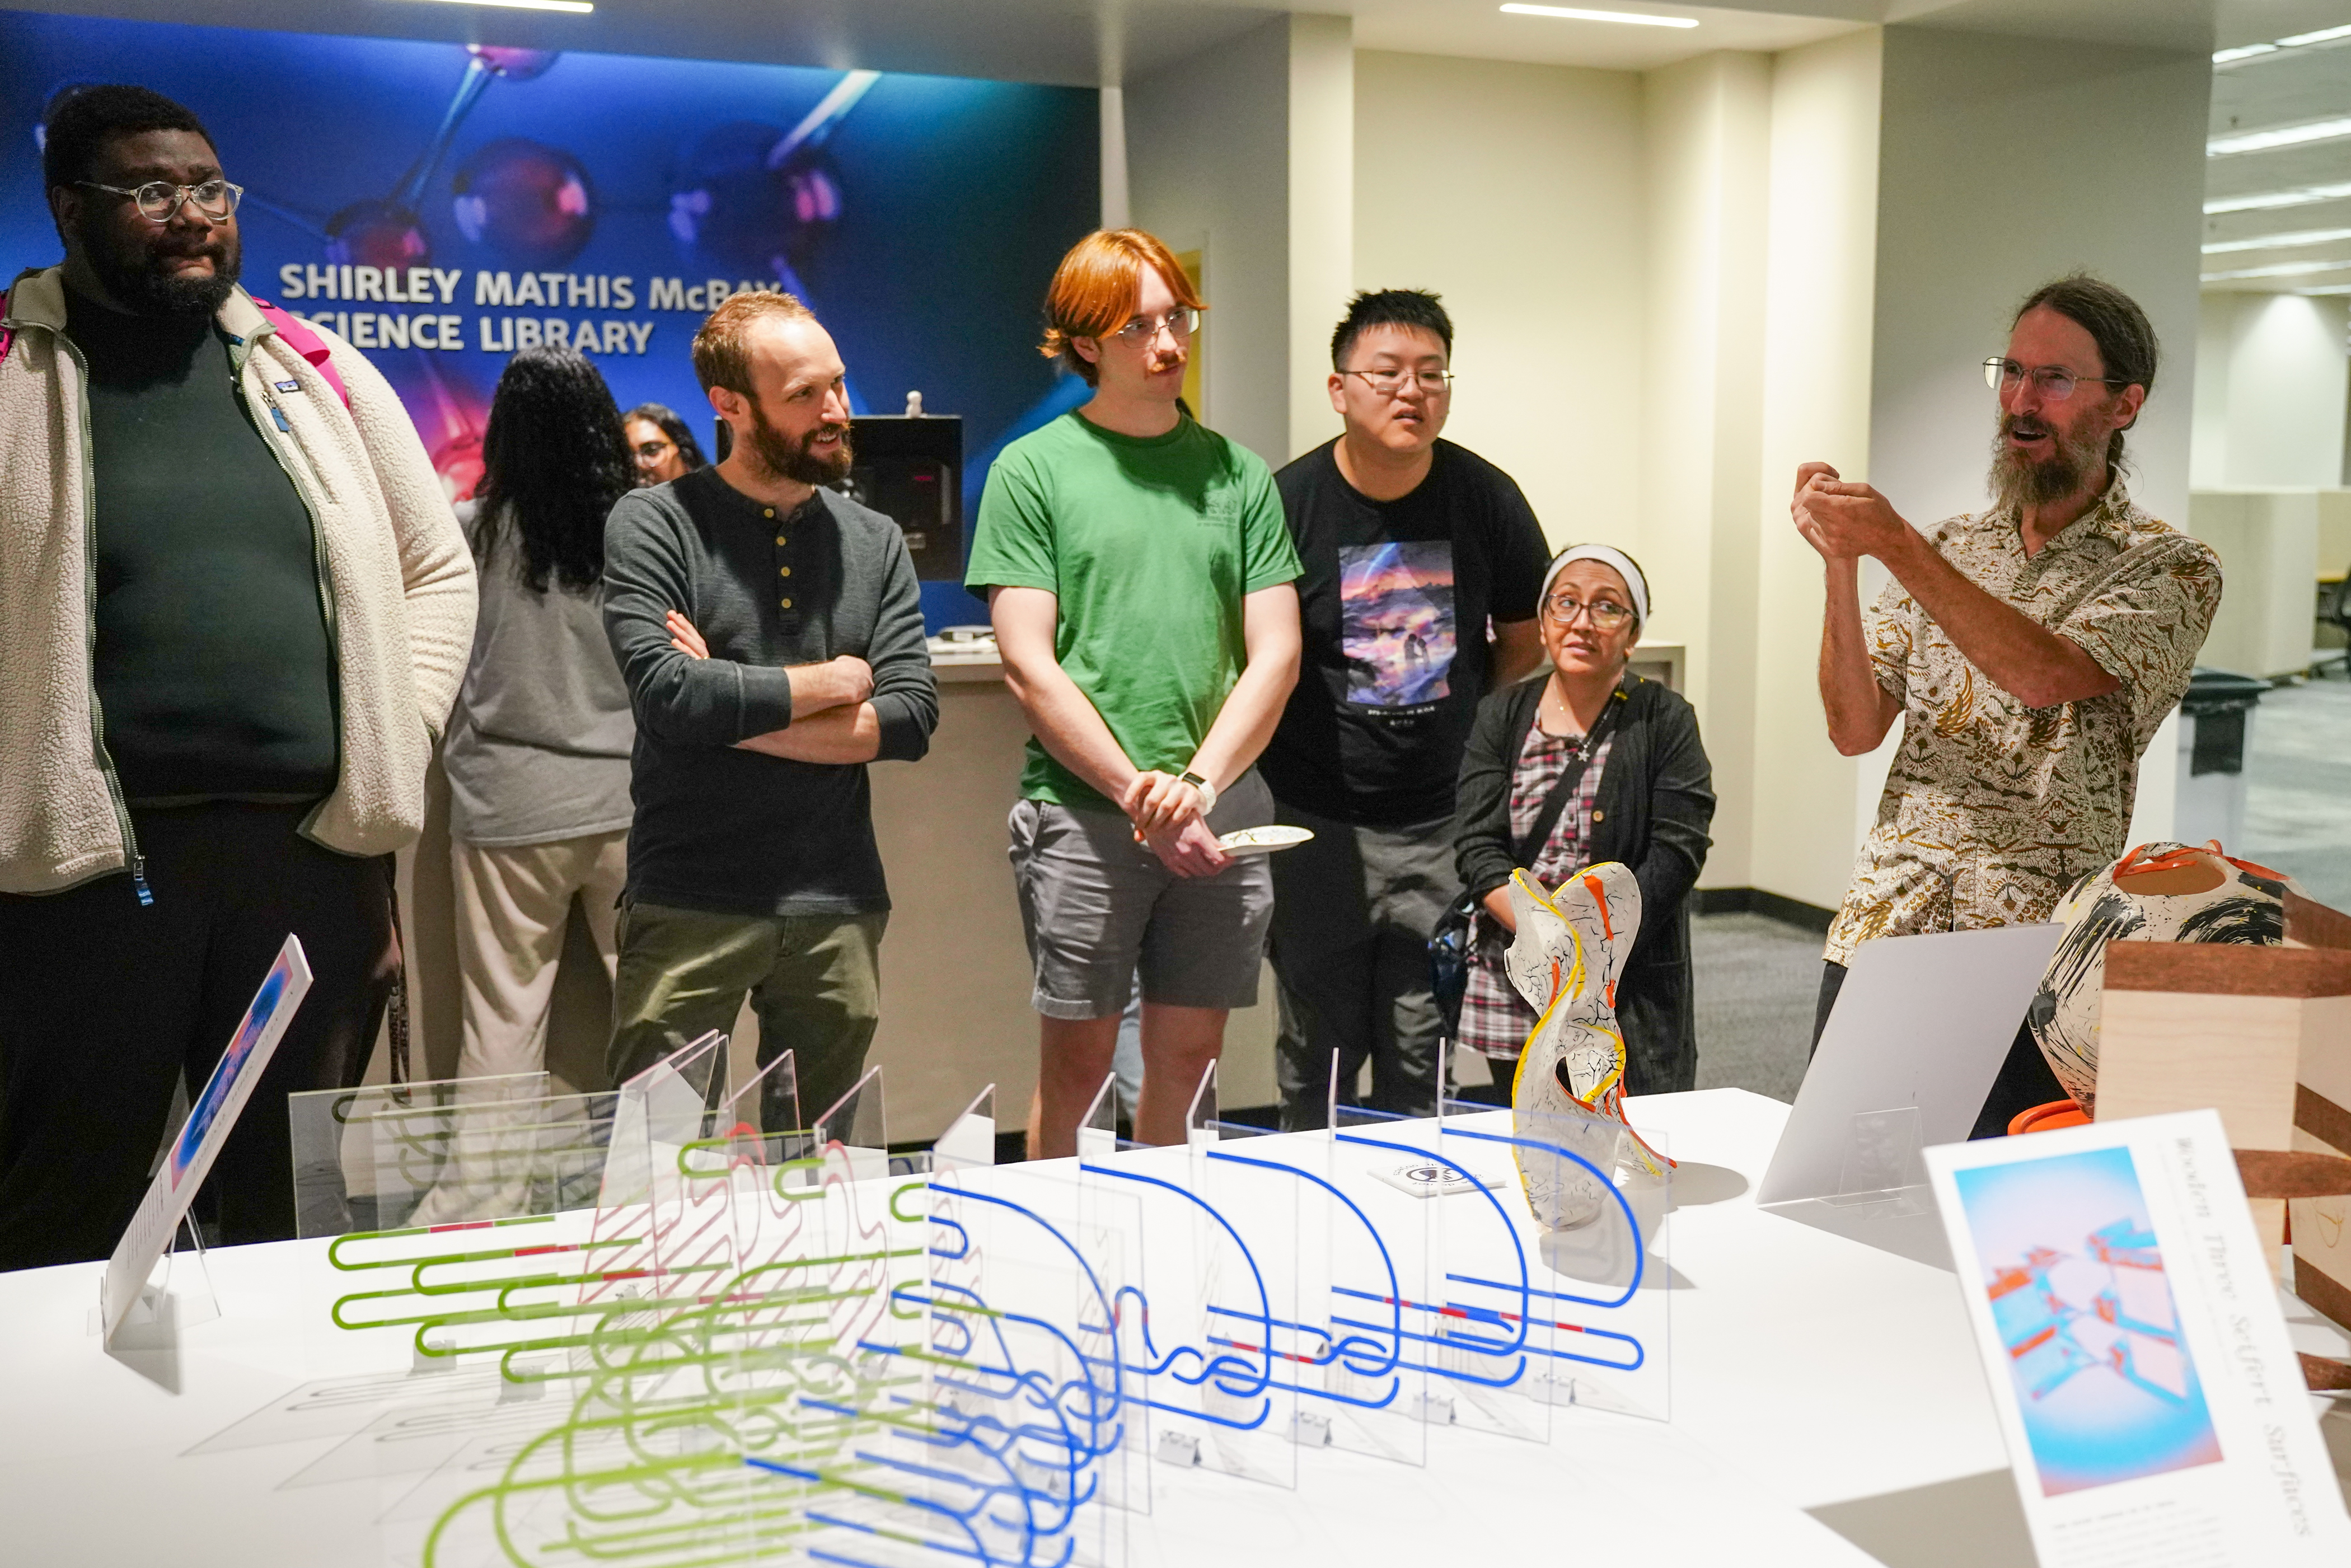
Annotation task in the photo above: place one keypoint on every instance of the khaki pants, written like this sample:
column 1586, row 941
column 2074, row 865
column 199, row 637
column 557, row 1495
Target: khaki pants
column 815, row 980
column 512, row 907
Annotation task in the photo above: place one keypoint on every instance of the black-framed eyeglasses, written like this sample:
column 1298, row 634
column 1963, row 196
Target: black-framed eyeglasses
column 2055, row 383
column 1605, row 614
column 159, row 199
column 651, row 451
column 1178, row 324
column 1388, row 383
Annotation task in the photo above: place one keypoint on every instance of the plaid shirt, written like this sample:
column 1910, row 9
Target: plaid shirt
column 1495, row 1019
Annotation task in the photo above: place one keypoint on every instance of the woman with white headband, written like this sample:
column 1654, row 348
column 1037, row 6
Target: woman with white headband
column 1613, row 763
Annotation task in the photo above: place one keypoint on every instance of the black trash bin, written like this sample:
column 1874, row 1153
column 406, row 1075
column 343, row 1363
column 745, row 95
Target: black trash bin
column 2217, row 717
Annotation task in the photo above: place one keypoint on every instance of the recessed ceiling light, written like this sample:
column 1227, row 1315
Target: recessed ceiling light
column 2282, row 269
column 2279, row 242
column 2281, row 136
column 2299, row 41
column 2301, row 197
column 576, row 7
column 1630, row 18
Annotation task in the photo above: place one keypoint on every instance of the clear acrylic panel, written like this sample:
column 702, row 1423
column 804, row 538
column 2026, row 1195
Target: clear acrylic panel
column 969, row 1141
column 857, row 1127
column 1018, row 1440
column 1883, row 1162
column 1216, row 1329
column 1098, row 1130
column 352, row 1173
column 1577, row 1310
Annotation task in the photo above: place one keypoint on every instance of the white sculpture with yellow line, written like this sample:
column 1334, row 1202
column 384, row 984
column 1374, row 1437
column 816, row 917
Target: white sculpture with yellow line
column 1569, row 954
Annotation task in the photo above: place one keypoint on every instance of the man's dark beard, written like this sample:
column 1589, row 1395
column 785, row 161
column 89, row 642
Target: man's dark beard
column 2020, row 481
column 789, row 459
column 134, row 276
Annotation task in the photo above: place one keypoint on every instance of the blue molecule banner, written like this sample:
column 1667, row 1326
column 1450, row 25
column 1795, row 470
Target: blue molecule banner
column 440, row 206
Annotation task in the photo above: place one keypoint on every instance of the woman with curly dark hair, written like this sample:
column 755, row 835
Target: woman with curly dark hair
column 661, row 443
column 537, row 753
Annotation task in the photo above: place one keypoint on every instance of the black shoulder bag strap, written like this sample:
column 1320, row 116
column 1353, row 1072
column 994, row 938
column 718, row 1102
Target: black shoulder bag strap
column 1449, row 944
column 1525, row 853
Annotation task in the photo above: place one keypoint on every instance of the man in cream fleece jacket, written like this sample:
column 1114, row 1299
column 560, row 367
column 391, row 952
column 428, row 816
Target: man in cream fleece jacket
column 234, row 612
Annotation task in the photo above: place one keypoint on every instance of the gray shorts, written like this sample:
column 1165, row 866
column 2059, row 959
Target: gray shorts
column 1097, row 907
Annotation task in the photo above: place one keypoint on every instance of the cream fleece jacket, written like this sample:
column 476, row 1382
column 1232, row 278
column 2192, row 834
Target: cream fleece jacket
column 399, row 577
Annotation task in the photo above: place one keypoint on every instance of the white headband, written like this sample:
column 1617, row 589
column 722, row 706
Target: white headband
column 1608, row 556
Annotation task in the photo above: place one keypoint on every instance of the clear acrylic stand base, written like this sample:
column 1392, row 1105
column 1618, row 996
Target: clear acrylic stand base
column 178, row 1295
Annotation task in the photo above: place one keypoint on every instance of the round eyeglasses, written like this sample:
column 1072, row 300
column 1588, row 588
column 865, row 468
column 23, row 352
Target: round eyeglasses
column 1605, row 614
column 2056, row 383
column 159, row 199
column 1388, row 383
column 1179, row 324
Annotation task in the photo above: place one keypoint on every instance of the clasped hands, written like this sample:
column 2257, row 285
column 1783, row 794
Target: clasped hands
column 1167, row 821
column 1845, row 522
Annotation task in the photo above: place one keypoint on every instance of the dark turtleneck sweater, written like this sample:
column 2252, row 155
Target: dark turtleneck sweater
column 214, row 670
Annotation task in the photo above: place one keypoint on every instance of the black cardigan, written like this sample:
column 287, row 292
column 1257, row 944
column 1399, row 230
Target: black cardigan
column 1654, row 803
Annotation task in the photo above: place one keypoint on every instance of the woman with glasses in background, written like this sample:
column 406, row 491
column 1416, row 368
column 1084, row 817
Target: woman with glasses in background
column 661, row 444
column 1637, row 789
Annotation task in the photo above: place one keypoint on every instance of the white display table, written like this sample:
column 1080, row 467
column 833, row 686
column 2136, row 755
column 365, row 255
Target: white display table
column 1809, row 1371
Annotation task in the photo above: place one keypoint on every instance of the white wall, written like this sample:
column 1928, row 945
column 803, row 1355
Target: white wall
column 2271, row 375
column 1321, row 214
column 1705, row 169
column 1204, row 169
column 2268, row 545
column 1970, row 221
column 1513, row 191
column 1820, row 281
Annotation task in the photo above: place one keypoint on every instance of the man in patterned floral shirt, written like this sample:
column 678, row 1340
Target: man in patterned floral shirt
column 2029, row 650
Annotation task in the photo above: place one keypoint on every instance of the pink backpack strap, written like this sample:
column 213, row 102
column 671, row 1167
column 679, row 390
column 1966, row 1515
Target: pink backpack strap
column 305, row 342
column 7, row 336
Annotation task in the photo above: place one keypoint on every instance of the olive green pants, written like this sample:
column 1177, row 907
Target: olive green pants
column 815, row 981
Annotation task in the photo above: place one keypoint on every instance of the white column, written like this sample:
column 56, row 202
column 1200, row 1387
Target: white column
column 1115, row 204
column 1321, row 214
column 1821, row 283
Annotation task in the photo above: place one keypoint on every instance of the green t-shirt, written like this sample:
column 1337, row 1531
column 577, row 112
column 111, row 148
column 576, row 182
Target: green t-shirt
column 1150, row 543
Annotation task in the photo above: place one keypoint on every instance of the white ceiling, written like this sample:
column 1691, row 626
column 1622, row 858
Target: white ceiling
column 1090, row 42
column 2292, row 86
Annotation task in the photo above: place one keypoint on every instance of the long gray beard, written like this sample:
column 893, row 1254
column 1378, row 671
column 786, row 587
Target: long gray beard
column 2017, row 481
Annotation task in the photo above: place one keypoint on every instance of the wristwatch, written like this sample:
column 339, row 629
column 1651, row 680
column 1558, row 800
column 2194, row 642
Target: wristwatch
column 1207, row 791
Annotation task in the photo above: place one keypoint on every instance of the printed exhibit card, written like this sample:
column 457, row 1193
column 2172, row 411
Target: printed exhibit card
column 210, row 1118
column 2153, row 1407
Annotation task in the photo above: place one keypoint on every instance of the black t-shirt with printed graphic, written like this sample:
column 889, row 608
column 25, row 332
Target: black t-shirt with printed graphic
column 1394, row 603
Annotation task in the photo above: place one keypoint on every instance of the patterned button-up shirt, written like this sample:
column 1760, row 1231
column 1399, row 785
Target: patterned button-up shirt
column 1992, row 808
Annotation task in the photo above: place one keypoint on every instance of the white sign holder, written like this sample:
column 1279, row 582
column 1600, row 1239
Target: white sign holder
column 130, row 1302
column 1917, row 1038
column 2153, row 1407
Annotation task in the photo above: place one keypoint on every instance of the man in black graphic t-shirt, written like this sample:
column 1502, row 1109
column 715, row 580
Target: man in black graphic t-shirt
column 1411, row 544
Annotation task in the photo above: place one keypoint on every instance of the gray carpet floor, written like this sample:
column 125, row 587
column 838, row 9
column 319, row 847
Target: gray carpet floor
column 2298, row 787
column 1757, row 980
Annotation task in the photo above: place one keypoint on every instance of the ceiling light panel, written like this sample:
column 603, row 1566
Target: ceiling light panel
column 2277, row 136
column 2298, row 41
column 2282, row 270
column 2278, row 241
column 2264, row 201
column 1629, row 18
column 574, row 8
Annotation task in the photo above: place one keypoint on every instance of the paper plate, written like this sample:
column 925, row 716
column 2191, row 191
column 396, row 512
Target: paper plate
column 1263, row 841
